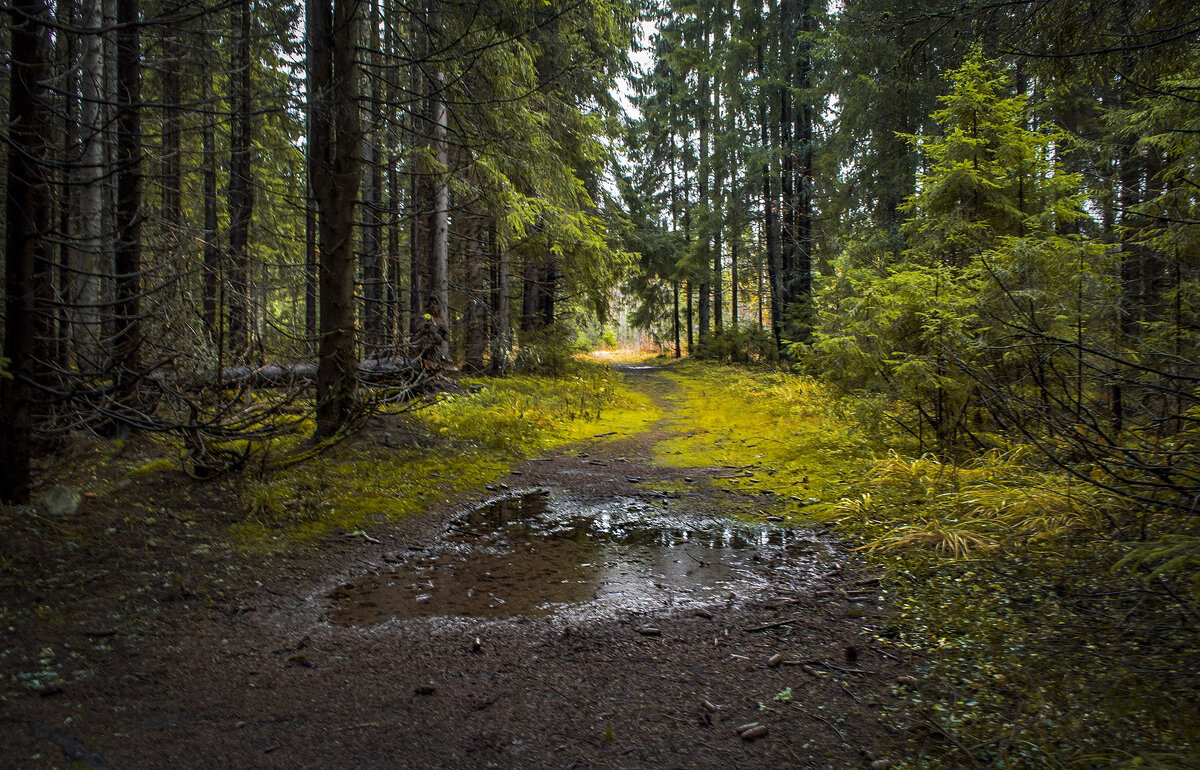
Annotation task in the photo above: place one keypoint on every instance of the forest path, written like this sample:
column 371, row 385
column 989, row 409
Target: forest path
column 265, row 678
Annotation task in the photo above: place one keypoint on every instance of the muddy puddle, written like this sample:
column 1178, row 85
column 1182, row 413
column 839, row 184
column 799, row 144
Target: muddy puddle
column 542, row 553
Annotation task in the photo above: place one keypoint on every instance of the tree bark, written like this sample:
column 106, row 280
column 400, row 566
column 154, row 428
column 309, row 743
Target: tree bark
column 91, row 249
column 501, row 304
column 127, row 254
column 675, row 317
column 241, row 190
column 435, row 348
column 420, row 191
column 733, row 280
column 531, row 288
column 212, row 252
column 67, row 213
column 705, row 234
column 332, row 40
column 718, row 215
column 172, row 167
column 26, row 221
column 476, row 295
column 374, row 311
column 800, row 291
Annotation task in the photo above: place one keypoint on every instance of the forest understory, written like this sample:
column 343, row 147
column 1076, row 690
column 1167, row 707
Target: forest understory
column 169, row 621
column 304, row 461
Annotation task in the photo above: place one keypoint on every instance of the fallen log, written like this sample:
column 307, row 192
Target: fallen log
column 396, row 370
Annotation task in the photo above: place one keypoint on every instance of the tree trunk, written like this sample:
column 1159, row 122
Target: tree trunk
column 733, row 280
column 501, row 304
column 127, row 254
column 394, row 274
column 374, row 312
column 531, row 288
column 772, row 208
column 92, row 119
column 26, row 224
column 433, row 338
column 241, row 190
column 172, row 167
column 212, row 311
column 675, row 317
column 549, row 291
column 420, row 190
column 718, row 215
column 332, row 42
column 687, row 285
column 67, row 214
column 800, row 291
column 476, row 295
column 705, row 234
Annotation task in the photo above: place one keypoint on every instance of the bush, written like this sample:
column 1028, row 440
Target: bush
column 549, row 351
column 739, row 343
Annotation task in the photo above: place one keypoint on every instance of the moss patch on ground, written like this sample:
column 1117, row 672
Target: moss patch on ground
column 1036, row 643
column 455, row 446
column 768, row 431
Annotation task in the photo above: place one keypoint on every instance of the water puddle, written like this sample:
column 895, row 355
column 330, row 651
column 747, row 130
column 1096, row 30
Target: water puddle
column 539, row 554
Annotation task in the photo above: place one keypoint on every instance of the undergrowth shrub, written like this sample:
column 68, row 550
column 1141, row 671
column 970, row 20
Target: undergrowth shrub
column 956, row 509
column 550, row 351
column 742, row 343
column 1044, row 636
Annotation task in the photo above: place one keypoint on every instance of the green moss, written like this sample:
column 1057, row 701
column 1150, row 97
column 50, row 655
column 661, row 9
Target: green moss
column 475, row 439
column 159, row 465
column 767, row 431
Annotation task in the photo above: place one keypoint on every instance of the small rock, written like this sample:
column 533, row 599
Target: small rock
column 424, row 689
column 910, row 681
column 774, row 518
column 504, row 486
column 688, row 479
column 477, row 646
column 515, row 473
column 649, row 631
column 60, row 501
column 881, row 764
column 775, row 661
column 703, row 613
column 490, row 487
column 709, row 706
column 743, row 728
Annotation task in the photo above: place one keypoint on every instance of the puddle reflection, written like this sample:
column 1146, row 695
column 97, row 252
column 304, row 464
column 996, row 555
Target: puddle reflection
column 533, row 554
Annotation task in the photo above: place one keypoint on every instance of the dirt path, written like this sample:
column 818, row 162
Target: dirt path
column 255, row 675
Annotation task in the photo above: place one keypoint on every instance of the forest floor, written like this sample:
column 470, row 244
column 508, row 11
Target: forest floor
column 147, row 641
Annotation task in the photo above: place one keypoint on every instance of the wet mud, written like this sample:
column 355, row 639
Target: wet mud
column 546, row 552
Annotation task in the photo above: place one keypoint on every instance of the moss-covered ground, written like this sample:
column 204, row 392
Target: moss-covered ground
column 420, row 458
column 771, row 432
column 1037, row 646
